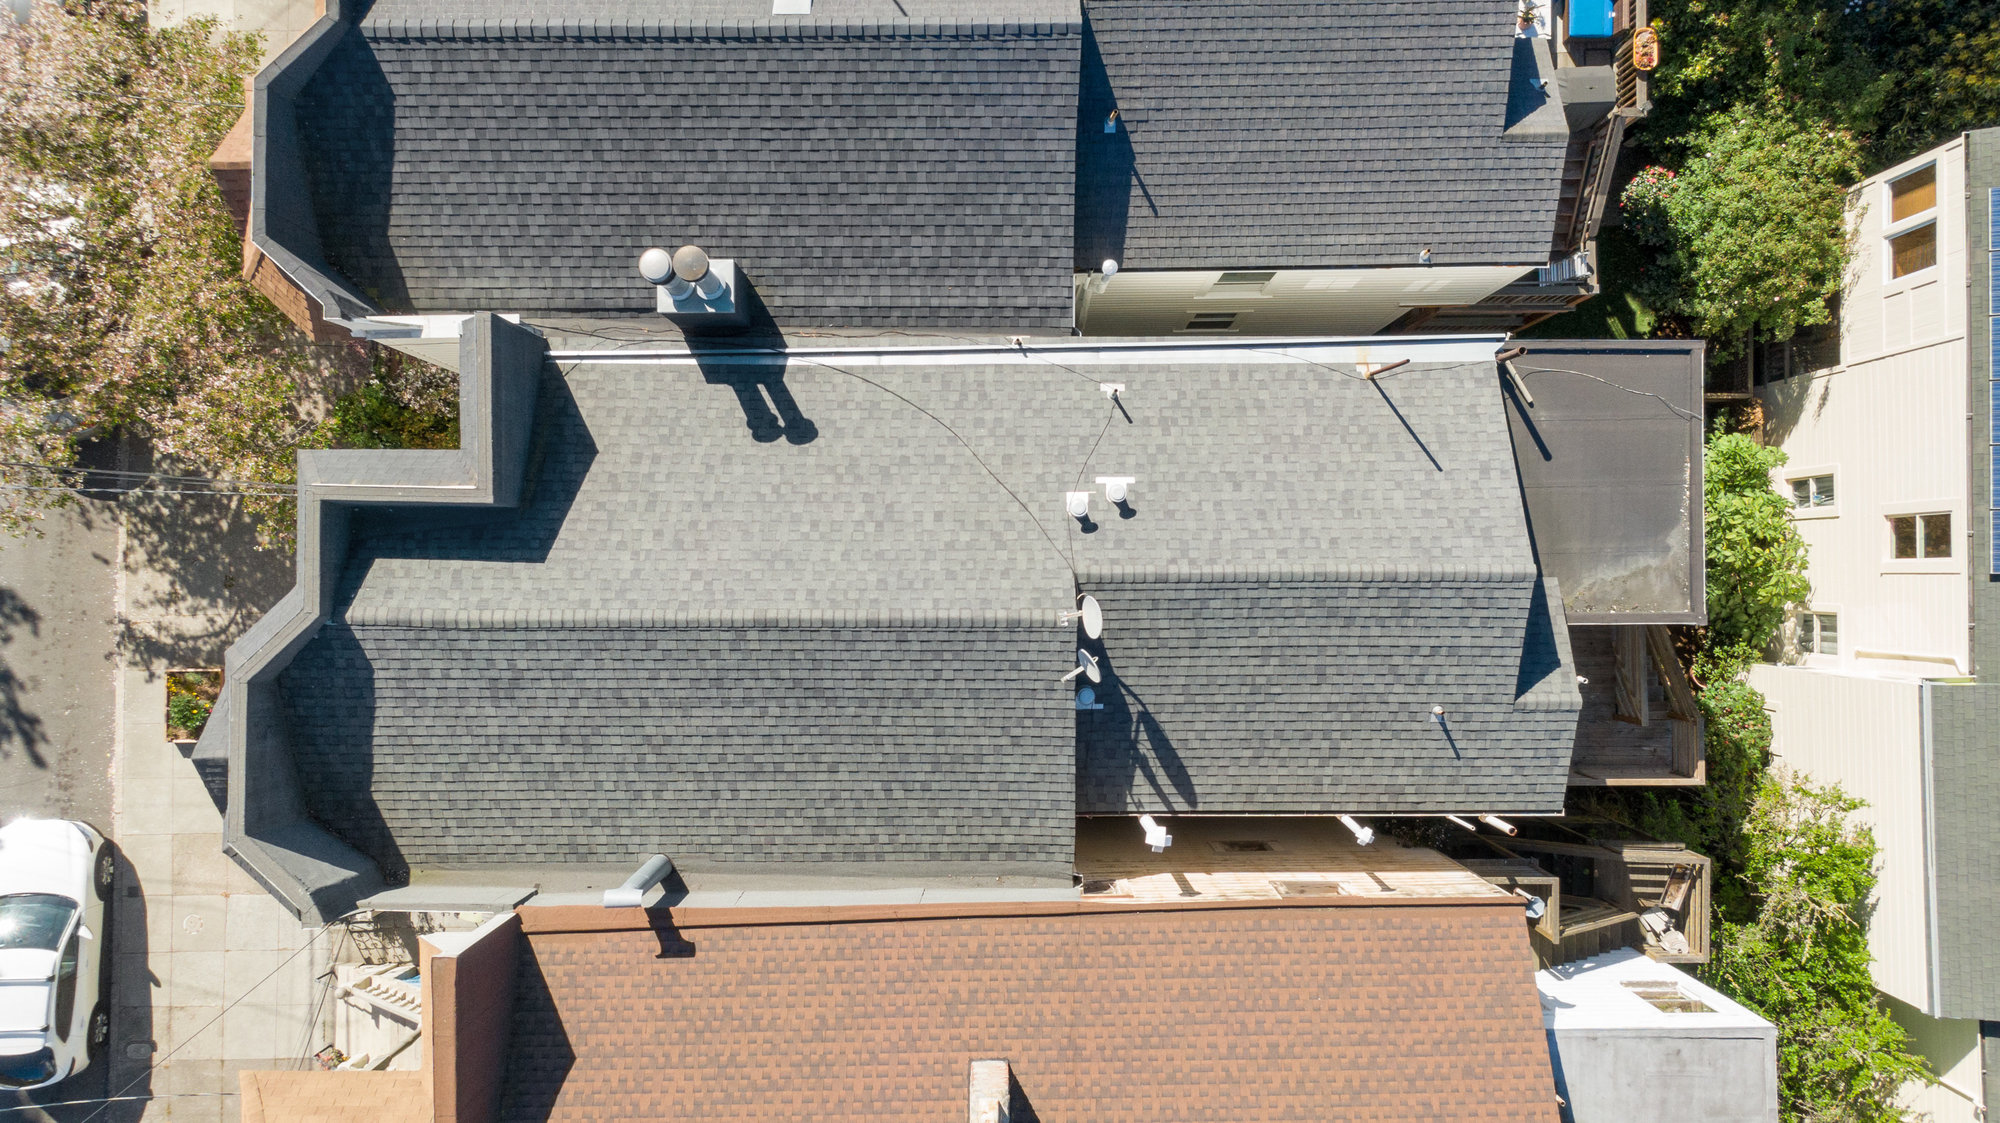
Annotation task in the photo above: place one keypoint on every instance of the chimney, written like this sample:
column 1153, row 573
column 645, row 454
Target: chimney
column 992, row 1098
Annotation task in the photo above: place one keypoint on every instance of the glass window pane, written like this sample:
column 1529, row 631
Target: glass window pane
column 1829, row 634
column 1801, row 493
column 1822, row 491
column 1913, row 250
column 1913, row 194
column 1937, row 536
column 1805, row 631
column 1903, row 536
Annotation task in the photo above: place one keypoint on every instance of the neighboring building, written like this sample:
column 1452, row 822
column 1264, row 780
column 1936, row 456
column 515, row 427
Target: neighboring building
column 1308, row 979
column 937, row 164
column 1886, row 683
column 1278, row 168
column 1637, row 1041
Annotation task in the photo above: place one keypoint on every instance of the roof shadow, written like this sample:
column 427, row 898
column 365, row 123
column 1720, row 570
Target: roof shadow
column 539, row 1053
column 559, row 460
column 333, row 741
column 1106, row 167
column 347, row 116
column 1123, row 745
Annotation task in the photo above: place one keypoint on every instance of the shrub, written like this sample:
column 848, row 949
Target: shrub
column 1756, row 559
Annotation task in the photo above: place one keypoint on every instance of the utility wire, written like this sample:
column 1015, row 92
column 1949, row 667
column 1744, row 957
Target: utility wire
column 119, row 1099
column 1615, row 386
column 946, row 426
column 80, row 470
column 156, row 1065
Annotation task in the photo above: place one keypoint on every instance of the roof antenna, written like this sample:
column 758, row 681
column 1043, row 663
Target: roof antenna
column 1156, row 834
column 1362, row 835
column 1505, row 359
column 1088, row 613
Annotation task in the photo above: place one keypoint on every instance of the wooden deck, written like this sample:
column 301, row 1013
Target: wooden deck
column 1613, row 751
column 1259, row 859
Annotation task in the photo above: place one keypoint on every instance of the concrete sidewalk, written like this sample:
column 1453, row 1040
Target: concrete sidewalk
column 208, row 975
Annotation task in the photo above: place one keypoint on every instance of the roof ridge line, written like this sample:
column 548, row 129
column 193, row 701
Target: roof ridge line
column 499, row 619
column 1356, row 571
column 571, row 28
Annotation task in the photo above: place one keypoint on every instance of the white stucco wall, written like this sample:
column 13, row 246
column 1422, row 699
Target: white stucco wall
column 1866, row 734
column 1889, row 423
column 1295, row 301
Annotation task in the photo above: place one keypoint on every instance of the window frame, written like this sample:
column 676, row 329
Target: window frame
column 1893, row 228
column 1817, row 613
column 1951, row 563
column 1793, row 475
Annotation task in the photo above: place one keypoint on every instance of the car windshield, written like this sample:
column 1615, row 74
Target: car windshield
column 27, row 1069
column 34, row 920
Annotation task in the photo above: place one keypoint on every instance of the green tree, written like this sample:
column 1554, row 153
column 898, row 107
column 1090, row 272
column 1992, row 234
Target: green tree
column 1756, row 559
column 1802, row 960
column 1941, row 59
column 123, row 308
column 1751, row 234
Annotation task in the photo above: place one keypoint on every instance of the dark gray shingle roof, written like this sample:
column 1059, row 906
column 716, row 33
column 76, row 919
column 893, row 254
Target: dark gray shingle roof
column 862, row 171
column 1318, row 132
column 807, row 612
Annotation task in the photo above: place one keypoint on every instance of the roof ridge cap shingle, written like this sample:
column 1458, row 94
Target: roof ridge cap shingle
column 1178, row 574
column 573, row 28
column 392, row 616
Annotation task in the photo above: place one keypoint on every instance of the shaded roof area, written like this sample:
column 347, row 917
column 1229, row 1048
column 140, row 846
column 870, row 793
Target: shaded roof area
column 803, row 608
column 1284, row 1012
column 1610, row 456
column 1310, row 133
column 869, row 164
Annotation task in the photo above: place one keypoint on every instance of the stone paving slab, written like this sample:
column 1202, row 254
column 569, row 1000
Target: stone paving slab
column 208, row 973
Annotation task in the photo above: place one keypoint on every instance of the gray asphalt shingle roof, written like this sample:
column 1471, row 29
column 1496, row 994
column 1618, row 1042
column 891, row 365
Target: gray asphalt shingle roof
column 753, row 611
column 1308, row 133
column 863, row 168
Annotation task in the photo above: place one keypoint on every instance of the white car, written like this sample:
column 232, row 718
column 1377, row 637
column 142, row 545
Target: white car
column 55, row 877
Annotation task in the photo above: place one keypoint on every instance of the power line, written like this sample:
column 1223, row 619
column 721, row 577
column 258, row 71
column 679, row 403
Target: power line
column 185, row 1041
column 118, row 1099
column 1615, row 386
column 80, row 470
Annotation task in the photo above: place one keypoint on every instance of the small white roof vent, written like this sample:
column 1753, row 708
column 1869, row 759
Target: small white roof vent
column 791, row 7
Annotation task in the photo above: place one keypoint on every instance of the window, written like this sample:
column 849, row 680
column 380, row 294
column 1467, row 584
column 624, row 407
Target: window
column 66, row 986
column 1920, row 536
column 1911, row 232
column 1819, row 633
column 1668, row 998
column 34, row 920
column 1812, row 491
column 1913, row 250
column 1255, row 280
column 1913, row 194
column 1212, row 321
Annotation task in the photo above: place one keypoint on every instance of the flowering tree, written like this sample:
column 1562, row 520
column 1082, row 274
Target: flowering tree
column 123, row 308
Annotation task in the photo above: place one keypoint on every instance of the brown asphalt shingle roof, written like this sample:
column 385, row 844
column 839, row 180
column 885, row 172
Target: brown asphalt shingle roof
column 1267, row 1012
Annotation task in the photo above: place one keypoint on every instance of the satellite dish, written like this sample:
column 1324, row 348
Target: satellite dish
column 1086, row 665
column 1088, row 662
column 1087, row 612
column 1093, row 617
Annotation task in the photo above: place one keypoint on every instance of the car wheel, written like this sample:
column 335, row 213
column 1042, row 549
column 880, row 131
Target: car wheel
column 100, row 1030
column 104, row 871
